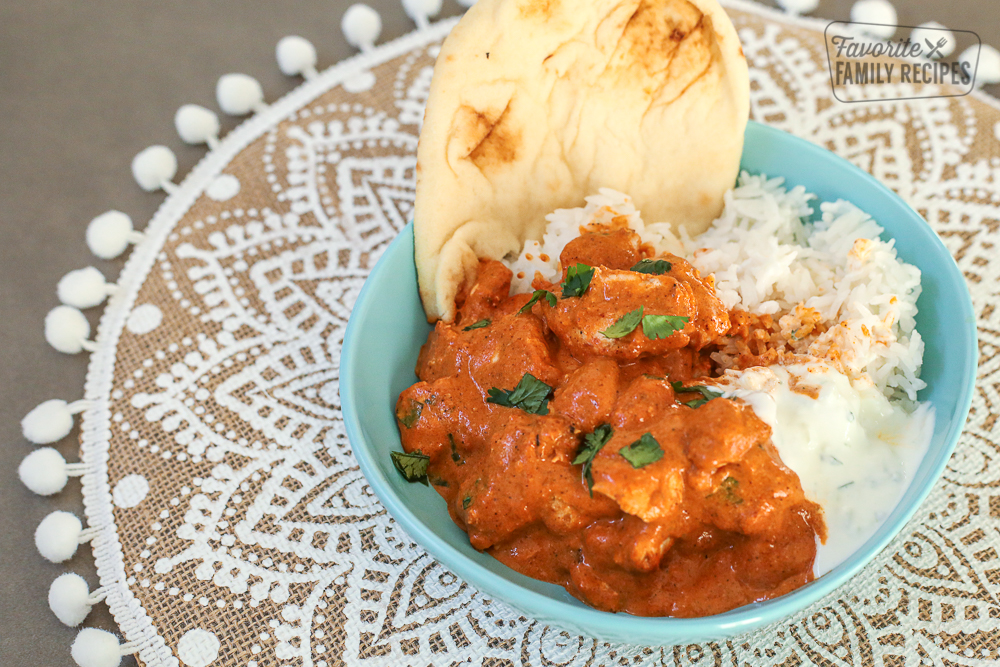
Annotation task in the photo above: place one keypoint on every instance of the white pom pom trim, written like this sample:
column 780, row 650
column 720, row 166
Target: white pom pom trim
column 70, row 598
column 987, row 67
column 154, row 168
column 421, row 11
column 99, row 648
column 59, row 534
column 45, row 471
column 50, row 420
column 197, row 125
column 110, row 233
column 798, row 6
column 361, row 26
column 879, row 12
column 239, row 94
column 84, row 288
column 67, row 329
column 296, row 56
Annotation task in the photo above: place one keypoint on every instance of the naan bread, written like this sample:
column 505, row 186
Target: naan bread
column 535, row 104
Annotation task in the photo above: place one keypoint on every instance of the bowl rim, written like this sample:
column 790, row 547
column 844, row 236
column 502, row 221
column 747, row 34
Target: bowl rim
column 746, row 617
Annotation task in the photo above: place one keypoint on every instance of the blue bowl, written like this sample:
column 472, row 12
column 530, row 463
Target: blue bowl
column 388, row 326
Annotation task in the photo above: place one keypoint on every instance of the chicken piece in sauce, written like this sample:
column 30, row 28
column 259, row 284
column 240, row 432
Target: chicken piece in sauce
column 569, row 456
column 615, row 290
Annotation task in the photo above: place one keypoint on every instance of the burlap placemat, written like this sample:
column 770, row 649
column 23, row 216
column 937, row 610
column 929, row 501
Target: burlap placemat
column 236, row 528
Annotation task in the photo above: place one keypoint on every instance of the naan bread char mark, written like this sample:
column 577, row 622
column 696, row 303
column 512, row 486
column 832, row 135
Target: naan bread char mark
column 538, row 9
column 499, row 142
column 536, row 104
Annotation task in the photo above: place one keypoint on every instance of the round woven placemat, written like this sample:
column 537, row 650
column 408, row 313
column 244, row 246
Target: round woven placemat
column 235, row 526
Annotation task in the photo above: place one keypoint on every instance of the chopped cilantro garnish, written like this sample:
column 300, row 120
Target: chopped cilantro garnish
column 653, row 326
column 727, row 491
column 455, row 456
column 478, row 325
column 706, row 394
column 466, row 502
column 530, row 394
column 538, row 294
column 624, row 325
column 662, row 326
column 577, row 280
column 592, row 443
column 411, row 414
column 412, row 466
column 654, row 266
column 642, row 452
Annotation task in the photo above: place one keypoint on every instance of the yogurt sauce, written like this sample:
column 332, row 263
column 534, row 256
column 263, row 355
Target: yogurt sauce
column 855, row 452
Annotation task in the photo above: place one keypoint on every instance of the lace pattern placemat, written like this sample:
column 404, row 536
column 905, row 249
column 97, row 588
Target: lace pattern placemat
column 234, row 525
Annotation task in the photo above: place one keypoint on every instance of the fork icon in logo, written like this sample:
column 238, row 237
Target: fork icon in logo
column 934, row 48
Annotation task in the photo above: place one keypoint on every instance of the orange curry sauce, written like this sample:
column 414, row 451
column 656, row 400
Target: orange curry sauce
column 715, row 522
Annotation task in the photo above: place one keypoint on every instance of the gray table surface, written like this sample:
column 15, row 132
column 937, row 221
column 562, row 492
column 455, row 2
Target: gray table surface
column 84, row 86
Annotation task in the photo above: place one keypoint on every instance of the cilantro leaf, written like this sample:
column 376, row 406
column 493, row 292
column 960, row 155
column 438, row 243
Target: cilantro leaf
column 538, row 294
column 707, row 394
column 530, row 395
column 577, row 280
column 592, row 443
column 727, row 491
column 656, row 267
column 466, row 502
column 624, row 325
column 662, row 326
column 412, row 466
column 455, row 456
column 642, row 452
column 499, row 397
column 478, row 325
column 411, row 414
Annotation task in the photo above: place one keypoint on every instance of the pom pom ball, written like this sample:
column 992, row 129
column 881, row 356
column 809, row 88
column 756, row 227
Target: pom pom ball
column 83, row 288
column 58, row 536
column 108, row 234
column 43, row 471
column 153, row 167
column 798, row 6
column 196, row 124
column 421, row 10
column 296, row 55
column 47, row 422
column 96, row 648
column 361, row 26
column 66, row 329
column 988, row 69
column 880, row 12
column 68, row 599
column 238, row 94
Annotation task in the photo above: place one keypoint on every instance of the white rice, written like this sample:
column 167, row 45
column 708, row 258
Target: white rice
column 769, row 260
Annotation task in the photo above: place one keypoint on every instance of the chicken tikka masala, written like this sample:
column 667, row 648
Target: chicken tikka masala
column 577, row 438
